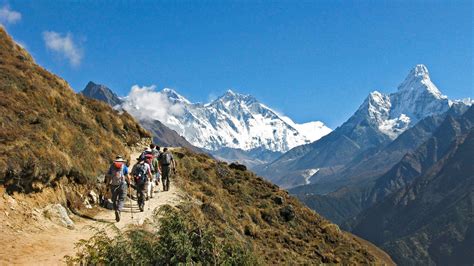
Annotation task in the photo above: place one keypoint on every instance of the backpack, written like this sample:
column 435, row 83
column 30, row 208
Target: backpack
column 117, row 173
column 150, row 163
column 156, row 153
column 166, row 158
column 140, row 173
column 144, row 155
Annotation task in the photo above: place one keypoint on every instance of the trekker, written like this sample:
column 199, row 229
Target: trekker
column 118, row 178
column 155, row 150
column 167, row 164
column 141, row 173
column 145, row 152
column 155, row 179
column 150, row 184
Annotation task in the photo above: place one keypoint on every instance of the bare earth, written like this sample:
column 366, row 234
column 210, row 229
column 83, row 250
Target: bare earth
column 38, row 241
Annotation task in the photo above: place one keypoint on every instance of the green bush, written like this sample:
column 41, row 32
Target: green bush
column 179, row 239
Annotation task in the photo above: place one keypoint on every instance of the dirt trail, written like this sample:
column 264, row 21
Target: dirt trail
column 48, row 244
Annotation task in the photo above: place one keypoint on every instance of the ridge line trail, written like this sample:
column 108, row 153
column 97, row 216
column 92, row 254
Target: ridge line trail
column 49, row 245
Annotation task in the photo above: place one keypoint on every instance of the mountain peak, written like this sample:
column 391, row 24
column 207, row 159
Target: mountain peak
column 418, row 80
column 420, row 70
column 101, row 92
column 230, row 95
column 174, row 96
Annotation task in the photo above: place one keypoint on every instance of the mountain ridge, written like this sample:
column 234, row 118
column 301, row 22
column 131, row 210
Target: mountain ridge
column 379, row 120
column 233, row 120
column 102, row 93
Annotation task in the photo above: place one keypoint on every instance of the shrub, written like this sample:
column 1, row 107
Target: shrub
column 180, row 239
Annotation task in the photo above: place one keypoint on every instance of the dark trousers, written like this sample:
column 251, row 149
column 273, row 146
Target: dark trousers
column 165, row 176
column 119, row 192
column 141, row 190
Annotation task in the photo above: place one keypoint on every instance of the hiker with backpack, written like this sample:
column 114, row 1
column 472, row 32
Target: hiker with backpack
column 155, row 150
column 155, row 171
column 141, row 173
column 154, row 168
column 145, row 152
column 118, row 180
column 166, row 163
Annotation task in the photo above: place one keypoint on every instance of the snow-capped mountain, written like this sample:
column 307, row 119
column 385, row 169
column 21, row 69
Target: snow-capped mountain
column 416, row 98
column 377, row 122
column 231, row 121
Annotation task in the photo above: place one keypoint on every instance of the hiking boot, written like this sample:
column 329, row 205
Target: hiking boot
column 142, row 207
column 117, row 216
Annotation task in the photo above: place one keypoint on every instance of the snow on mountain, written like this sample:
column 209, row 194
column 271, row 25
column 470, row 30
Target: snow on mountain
column 416, row 98
column 233, row 120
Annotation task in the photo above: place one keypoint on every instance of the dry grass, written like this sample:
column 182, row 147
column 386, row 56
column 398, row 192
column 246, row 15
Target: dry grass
column 250, row 208
column 47, row 131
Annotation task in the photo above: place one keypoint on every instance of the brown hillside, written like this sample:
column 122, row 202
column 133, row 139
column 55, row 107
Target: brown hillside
column 280, row 228
column 47, row 131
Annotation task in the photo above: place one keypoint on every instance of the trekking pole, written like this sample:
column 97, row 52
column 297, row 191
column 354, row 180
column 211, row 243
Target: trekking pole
column 130, row 200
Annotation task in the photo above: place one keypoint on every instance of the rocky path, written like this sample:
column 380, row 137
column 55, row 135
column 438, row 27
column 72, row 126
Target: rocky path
column 47, row 245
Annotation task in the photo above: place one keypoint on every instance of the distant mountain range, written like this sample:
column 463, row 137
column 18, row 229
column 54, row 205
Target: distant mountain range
column 234, row 127
column 377, row 123
column 232, row 121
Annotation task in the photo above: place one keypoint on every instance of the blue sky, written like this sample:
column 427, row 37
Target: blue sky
column 311, row 60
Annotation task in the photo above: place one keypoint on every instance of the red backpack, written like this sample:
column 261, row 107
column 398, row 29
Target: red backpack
column 117, row 173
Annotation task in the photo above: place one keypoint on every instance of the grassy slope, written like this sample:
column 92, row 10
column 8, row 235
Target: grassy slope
column 245, row 205
column 47, row 131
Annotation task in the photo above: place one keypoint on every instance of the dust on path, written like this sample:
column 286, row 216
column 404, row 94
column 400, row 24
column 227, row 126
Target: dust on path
column 47, row 245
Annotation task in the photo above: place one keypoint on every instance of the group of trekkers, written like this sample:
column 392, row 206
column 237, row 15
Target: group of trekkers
column 144, row 177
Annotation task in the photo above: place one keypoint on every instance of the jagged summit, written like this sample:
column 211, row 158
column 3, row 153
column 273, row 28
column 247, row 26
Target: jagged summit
column 416, row 98
column 174, row 96
column 419, row 80
column 231, row 96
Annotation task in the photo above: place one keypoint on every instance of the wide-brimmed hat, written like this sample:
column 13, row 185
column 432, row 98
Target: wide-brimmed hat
column 119, row 158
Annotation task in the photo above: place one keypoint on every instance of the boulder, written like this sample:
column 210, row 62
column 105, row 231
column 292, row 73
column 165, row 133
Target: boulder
column 58, row 215
column 93, row 198
column 278, row 200
column 288, row 213
column 238, row 166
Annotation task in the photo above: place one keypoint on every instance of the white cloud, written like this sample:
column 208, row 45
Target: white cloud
column 147, row 104
column 8, row 16
column 64, row 45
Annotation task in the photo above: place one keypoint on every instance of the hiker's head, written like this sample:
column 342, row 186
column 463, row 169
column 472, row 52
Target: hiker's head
column 158, row 147
column 119, row 158
column 152, row 146
column 165, row 149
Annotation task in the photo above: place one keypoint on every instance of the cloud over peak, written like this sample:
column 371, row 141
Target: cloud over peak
column 64, row 45
column 8, row 16
column 148, row 104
